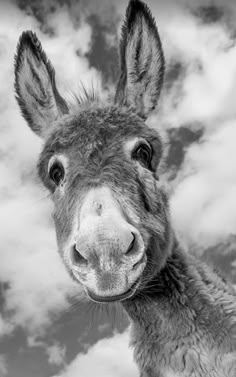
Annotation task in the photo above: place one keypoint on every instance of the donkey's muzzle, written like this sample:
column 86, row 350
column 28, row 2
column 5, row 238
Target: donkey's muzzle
column 108, row 254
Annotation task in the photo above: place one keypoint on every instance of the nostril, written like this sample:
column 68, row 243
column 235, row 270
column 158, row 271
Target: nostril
column 131, row 246
column 77, row 258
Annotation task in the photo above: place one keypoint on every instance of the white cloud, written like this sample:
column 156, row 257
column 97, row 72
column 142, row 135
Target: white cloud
column 3, row 366
column 5, row 327
column 70, row 41
column 108, row 357
column 204, row 204
column 29, row 262
column 56, row 354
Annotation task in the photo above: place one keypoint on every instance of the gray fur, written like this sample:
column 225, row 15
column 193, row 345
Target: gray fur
column 183, row 314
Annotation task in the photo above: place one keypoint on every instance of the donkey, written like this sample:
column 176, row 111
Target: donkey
column 100, row 163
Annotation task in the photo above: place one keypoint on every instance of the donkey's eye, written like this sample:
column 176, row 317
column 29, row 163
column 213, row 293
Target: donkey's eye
column 143, row 153
column 57, row 172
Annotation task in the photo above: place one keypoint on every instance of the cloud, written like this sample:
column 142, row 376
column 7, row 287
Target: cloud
column 108, row 357
column 67, row 49
column 5, row 327
column 3, row 366
column 56, row 354
column 204, row 205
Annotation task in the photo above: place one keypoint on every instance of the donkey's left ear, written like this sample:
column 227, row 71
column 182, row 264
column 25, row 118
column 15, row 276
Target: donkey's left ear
column 142, row 60
column 36, row 91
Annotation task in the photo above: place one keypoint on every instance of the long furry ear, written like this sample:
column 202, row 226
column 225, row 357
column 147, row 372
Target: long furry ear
column 36, row 91
column 142, row 60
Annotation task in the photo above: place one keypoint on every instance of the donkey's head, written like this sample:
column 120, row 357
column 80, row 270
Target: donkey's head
column 100, row 163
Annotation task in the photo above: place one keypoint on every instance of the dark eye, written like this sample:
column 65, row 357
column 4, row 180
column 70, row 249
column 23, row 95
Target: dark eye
column 56, row 172
column 143, row 153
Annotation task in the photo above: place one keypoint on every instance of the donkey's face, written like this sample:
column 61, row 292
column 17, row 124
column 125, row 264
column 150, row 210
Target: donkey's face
column 100, row 163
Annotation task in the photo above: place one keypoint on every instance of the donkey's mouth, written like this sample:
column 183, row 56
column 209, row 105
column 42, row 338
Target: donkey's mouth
column 106, row 299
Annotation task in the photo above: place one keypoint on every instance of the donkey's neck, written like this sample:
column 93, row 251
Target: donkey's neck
column 182, row 321
column 155, row 306
column 178, row 295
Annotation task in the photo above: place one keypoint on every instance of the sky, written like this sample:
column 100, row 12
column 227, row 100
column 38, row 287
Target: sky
column 45, row 329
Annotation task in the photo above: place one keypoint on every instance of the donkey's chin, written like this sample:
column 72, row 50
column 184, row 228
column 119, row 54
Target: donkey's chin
column 114, row 298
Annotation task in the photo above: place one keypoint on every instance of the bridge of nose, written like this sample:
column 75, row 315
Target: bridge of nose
column 98, row 202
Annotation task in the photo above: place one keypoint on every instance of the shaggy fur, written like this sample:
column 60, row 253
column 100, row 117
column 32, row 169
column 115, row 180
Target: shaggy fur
column 184, row 321
column 183, row 314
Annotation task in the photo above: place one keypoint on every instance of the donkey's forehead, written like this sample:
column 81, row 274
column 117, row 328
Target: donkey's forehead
column 92, row 128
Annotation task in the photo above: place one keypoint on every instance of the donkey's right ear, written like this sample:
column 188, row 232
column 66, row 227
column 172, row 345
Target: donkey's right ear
column 36, row 91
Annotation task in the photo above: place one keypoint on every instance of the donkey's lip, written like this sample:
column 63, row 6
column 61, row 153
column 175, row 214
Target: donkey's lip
column 105, row 299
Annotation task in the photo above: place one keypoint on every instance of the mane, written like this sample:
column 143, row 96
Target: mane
column 86, row 95
column 86, row 98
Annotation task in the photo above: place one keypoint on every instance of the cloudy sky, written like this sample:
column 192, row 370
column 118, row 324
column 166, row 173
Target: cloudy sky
column 45, row 331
